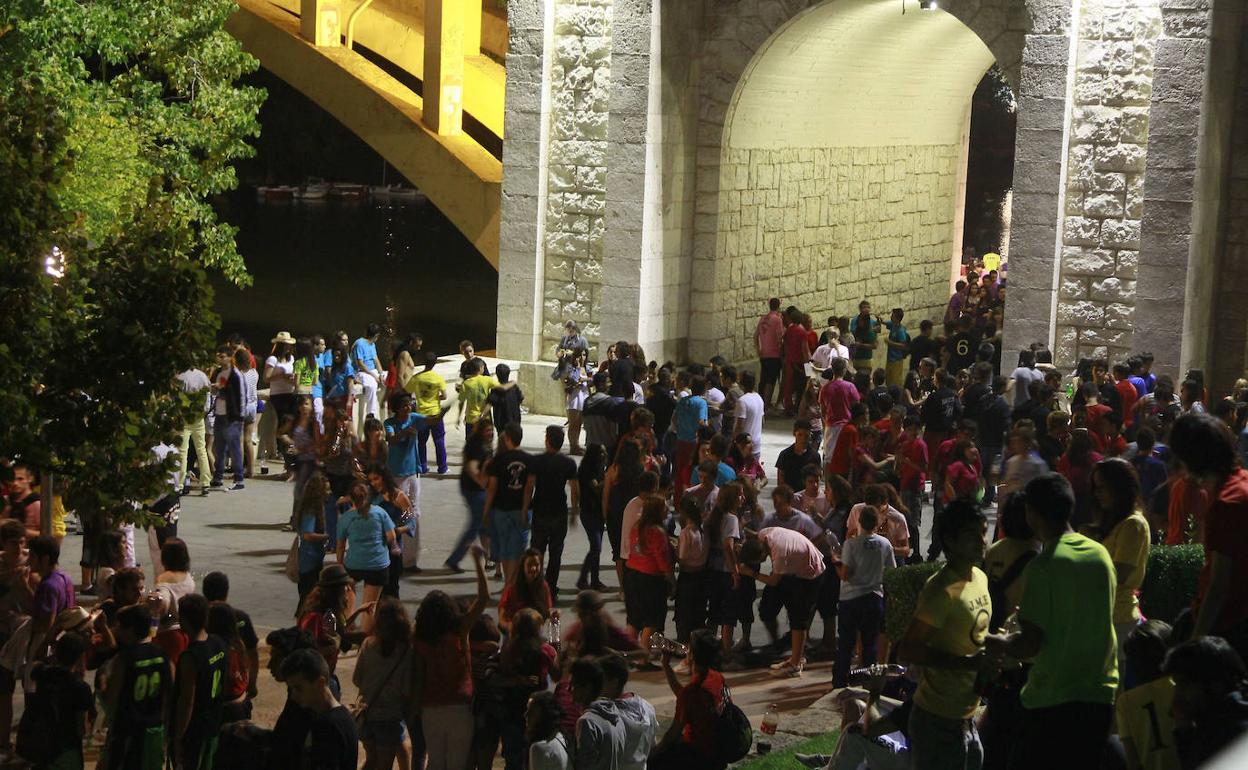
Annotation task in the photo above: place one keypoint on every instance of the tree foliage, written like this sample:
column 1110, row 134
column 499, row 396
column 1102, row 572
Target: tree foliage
column 119, row 119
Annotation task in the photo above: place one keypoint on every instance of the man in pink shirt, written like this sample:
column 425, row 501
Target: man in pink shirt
column 835, row 398
column 768, row 337
column 796, row 567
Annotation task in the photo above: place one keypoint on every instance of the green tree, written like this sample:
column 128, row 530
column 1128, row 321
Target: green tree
column 119, row 119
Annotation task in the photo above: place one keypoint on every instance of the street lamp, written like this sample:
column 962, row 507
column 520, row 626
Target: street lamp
column 54, row 263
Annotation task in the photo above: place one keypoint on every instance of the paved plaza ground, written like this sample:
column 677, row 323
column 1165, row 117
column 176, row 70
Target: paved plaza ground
column 241, row 533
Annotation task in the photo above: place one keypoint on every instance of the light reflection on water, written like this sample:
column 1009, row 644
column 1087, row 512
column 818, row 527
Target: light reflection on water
column 322, row 266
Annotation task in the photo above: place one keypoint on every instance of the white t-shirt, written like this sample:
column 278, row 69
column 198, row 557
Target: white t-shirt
column 792, row 553
column 1023, row 377
column 691, row 548
column 750, row 409
column 549, row 755
column 823, row 355
column 281, row 385
column 865, row 558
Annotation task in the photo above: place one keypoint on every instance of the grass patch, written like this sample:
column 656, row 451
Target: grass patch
column 783, row 760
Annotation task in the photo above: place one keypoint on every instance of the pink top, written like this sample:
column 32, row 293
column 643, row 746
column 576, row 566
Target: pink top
column 792, row 553
column 648, row 551
column 835, row 398
column 768, row 334
column 892, row 526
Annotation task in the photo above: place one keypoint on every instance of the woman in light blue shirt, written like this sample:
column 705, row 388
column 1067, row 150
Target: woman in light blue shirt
column 365, row 536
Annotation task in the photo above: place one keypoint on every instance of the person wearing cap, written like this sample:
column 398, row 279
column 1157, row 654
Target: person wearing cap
column 325, row 615
column 279, row 373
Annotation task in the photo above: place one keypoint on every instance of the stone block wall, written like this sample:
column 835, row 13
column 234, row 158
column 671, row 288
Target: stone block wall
column 824, row 229
column 580, row 79
column 1104, row 193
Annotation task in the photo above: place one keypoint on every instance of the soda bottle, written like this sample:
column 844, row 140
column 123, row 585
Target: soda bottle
column 771, row 720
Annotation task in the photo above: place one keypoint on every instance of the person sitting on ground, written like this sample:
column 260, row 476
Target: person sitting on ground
column 692, row 739
column 325, row 615
column 1210, row 706
column 640, row 724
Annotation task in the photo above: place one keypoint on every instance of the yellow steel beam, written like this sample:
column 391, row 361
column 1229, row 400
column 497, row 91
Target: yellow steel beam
column 459, row 176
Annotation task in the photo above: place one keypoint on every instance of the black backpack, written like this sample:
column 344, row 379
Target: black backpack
column 37, row 731
column 733, row 735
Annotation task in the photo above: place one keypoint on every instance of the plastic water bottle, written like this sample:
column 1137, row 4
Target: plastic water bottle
column 554, row 633
column 771, row 721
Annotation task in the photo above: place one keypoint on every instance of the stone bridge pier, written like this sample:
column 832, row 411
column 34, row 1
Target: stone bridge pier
column 671, row 164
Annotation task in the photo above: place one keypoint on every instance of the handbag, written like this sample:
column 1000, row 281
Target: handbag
column 359, row 709
column 292, row 561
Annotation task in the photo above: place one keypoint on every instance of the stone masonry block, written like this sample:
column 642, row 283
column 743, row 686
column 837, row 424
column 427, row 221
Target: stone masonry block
column 1080, row 313
column 1097, row 262
column 1113, row 289
column 1081, row 231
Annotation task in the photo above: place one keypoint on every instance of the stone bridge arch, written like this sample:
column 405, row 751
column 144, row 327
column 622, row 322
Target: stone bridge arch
column 868, row 56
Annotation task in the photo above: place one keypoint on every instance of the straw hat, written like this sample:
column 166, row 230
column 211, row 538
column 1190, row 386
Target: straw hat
column 72, row 618
column 283, row 337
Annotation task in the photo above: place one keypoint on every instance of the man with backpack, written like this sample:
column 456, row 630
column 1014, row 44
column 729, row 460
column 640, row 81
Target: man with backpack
column 709, row 730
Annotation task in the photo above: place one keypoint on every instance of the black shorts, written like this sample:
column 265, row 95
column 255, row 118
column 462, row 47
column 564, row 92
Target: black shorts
column 647, row 594
column 769, row 373
column 719, row 593
column 798, row 595
column 632, row 615
column 370, row 577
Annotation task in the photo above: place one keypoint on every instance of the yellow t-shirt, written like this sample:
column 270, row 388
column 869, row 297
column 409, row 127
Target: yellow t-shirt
column 428, row 388
column 1127, row 544
column 473, row 393
column 959, row 611
column 998, row 560
column 992, row 261
column 1145, row 725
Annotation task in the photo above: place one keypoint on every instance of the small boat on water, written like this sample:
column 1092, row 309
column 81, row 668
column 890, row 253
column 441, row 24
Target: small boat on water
column 276, row 193
column 348, row 192
column 410, row 194
column 314, row 189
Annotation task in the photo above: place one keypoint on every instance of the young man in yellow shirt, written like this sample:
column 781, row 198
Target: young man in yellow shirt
column 429, row 389
column 946, row 639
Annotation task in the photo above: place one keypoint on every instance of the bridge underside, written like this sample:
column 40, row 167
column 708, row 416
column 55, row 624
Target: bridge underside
column 457, row 174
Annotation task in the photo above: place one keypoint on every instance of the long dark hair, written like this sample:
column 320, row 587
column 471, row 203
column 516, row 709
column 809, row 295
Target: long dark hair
column 1080, row 450
column 628, row 464
column 530, row 591
column 523, row 651
column 303, row 350
column 436, row 617
column 391, row 626
column 389, row 487
column 594, row 464
column 728, row 501
column 477, row 437
column 312, row 501
column 1120, row 478
column 223, row 622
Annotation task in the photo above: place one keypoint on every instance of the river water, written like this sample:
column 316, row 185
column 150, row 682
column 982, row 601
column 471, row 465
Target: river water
column 322, row 266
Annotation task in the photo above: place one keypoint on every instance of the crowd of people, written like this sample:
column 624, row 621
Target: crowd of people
column 1023, row 642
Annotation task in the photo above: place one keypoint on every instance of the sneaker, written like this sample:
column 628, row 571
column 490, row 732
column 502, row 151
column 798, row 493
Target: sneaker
column 814, row 761
column 238, row 486
column 203, row 491
column 217, row 484
column 600, row 587
column 454, row 568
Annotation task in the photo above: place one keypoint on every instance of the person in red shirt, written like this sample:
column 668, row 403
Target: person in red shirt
column 912, row 461
column 796, row 354
column 841, row 456
column 963, row 478
column 1185, row 511
column 693, row 738
column 1122, row 383
column 1076, row 465
column 527, row 590
column 1206, row 449
column 650, row 558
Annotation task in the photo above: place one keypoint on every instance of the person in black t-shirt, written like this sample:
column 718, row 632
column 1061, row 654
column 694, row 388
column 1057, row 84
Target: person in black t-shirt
column 505, row 402
column 139, row 683
column 552, row 473
column 962, row 346
column 621, row 370
column 797, row 456
column 332, row 741
column 61, row 684
column 217, row 589
column 924, row 345
column 508, row 494
column 201, row 674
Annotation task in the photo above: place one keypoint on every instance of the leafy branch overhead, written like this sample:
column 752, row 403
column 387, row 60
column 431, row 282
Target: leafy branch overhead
column 119, row 120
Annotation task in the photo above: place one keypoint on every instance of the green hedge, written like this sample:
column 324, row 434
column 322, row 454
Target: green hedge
column 1169, row 586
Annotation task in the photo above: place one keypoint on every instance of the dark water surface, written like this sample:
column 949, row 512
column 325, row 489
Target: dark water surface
column 322, row 266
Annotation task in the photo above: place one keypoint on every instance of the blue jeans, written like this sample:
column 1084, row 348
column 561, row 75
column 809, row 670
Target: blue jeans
column 856, row 617
column 438, row 430
column 227, row 436
column 476, row 512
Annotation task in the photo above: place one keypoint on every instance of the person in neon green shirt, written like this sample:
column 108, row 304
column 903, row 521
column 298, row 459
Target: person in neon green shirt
column 473, row 393
column 1067, row 631
column 946, row 640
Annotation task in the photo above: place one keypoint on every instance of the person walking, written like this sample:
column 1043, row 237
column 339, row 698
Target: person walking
column 429, row 389
column 196, row 384
column 369, row 532
column 554, row 474
column 768, row 339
